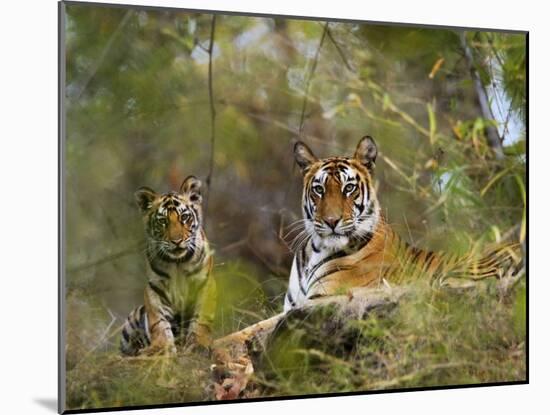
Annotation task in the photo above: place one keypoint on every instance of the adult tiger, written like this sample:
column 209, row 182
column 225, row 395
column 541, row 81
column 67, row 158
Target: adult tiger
column 346, row 242
column 180, row 294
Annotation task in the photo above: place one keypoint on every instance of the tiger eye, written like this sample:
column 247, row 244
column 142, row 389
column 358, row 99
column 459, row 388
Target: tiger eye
column 349, row 188
column 318, row 189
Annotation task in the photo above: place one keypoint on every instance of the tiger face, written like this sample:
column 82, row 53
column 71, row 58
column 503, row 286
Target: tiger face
column 173, row 221
column 338, row 202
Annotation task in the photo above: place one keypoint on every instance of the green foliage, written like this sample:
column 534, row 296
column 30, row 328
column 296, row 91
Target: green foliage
column 241, row 297
column 431, row 339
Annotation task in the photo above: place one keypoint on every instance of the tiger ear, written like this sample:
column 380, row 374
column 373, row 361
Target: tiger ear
column 145, row 197
column 366, row 152
column 192, row 186
column 304, row 156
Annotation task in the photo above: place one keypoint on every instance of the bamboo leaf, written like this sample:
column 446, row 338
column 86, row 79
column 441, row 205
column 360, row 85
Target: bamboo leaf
column 523, row 228
column 494, row 179
column 433, row 124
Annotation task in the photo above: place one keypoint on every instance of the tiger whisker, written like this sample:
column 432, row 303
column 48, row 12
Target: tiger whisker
column 304, row 241
column 298, row 240
column 296, row 225
column 302, row 238
column 297, row 229
column 297, row 221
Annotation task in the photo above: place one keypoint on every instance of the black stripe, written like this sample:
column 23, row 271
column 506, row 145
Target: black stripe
column 142, row 317
column 361, row 243
column 131, row 321
column 492, row 259
column 201, row 256
column 125, row 335
column 157, row 271
column 336, row 255
column 197, row 217
column 193, row 270
column 299, row 263
column 517, row 268
column 290, row 299
column 416, row 252
column 315, row 249
column 190, row 252
column 160, row 293
column 167, row 314
column 484, row 273
column 429, row 258
column 326, row 163
column 368, row 238
column 309, row 205
column 362, row 188
column 329, row 272
column 188, row 255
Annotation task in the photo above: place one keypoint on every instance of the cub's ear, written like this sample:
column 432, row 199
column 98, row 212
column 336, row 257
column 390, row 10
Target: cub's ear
column 304, row 156
column 366, row 152
column 192, row 186
column 145, row 198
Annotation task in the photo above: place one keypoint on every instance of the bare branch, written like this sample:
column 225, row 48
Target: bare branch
column 106, row 259
column 212, row 114
column 311, row 72
column 306, row 97
column 339, row 49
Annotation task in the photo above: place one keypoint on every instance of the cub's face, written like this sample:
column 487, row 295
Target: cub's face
column 172, row 220
column 338, row 202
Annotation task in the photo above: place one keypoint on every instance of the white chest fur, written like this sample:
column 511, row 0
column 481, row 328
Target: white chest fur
column 301, row 275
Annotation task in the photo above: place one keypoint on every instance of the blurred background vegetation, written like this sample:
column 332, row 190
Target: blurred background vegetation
column 151, row 99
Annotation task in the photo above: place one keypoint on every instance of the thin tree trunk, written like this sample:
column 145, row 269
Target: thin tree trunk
column 493, row 138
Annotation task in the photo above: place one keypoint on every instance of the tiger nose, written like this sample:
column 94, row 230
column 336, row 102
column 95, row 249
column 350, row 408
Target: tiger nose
column 332, row 221
column 177, row 241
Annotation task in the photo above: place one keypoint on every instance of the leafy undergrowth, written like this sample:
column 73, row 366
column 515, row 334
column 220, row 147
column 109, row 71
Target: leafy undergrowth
column 431, row 338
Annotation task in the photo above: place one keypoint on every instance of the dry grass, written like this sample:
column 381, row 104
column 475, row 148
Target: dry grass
column 431, row 338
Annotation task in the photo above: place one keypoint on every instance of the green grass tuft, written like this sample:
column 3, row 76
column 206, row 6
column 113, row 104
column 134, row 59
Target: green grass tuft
column 431, row 338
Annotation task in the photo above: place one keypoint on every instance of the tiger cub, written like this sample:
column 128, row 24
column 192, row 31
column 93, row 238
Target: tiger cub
column 180, row 296
column 346, row 243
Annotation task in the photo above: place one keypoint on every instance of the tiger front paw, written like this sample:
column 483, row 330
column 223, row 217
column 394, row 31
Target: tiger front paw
column 198, row 344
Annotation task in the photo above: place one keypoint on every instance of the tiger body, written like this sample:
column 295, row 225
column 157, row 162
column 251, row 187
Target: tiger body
column 179, row 299
column 346, row 242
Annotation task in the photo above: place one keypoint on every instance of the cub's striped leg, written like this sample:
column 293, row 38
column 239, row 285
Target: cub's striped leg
column 200, row 329
column 159, row 315
column 135, row 332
